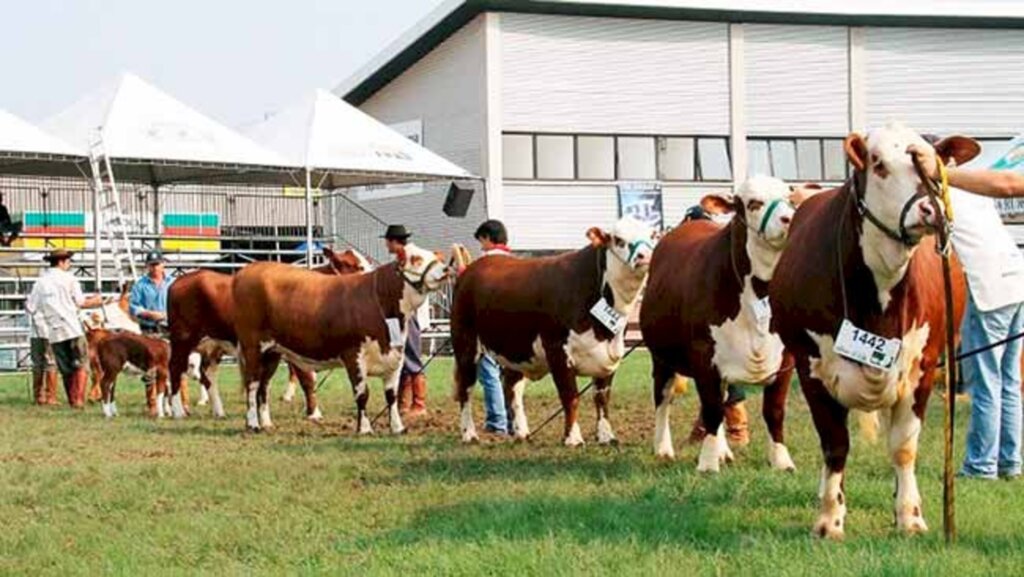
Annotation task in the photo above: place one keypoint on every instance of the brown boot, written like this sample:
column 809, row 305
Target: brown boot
column 39, row 387
column 405, row 394
column 419, row 396
column 51, row 387
column 698, row 432
column 75, row 385
column 737, row 428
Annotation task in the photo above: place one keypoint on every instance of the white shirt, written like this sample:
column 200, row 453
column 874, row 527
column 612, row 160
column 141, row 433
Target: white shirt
column 993, row 263
column 53, row 304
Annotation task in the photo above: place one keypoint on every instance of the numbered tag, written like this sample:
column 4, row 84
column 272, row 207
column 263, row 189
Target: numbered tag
column 763, row 312
column 608, row 316
column 865, row 347
column 395, row 332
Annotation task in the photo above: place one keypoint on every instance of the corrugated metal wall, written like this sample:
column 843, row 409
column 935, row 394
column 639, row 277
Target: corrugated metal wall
column 550, row 217
column 575, row 74
column 945, row 81
column 797, row 80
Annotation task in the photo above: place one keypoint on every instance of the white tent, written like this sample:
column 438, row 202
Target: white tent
column 340, row 146
column 150, row 137
column 25, row 149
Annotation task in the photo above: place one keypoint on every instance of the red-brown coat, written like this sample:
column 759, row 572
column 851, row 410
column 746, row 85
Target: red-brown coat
column 115, row 350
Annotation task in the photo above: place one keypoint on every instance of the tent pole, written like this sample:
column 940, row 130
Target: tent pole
column 309, row 219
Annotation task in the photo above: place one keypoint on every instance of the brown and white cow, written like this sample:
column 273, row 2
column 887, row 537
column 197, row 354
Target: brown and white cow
column 534, row 315
column 200, row 312
column 312, row 320
column 114, row 351
column 863, row 252
column 705, row 315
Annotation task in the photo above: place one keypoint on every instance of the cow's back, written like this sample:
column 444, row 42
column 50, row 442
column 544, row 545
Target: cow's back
column 200, row 304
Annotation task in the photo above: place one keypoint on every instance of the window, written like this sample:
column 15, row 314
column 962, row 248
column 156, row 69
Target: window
column 783, row 157
column 808, row 159
column 798, row 159
column 556, row 157
column 758, row 162
column 636, row 158
column 595, row 158
column 517, row 155
column 675, row 158
column 713, row 159
column 834, row 159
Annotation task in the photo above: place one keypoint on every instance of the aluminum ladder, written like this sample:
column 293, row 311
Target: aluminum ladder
column 113, row 224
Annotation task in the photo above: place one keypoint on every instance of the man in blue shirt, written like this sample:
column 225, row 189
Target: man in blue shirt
column 148, row 301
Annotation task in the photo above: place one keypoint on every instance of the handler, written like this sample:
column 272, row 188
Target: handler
column 148, row 304
column 493, row 238
column 412, row 388
column 53, row 311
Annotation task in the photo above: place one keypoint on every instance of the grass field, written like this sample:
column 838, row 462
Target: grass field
column 81, row 495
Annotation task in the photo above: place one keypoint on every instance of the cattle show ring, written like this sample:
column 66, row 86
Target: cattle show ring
column 546, row 288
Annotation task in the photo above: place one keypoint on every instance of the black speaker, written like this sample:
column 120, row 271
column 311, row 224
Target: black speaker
column 456, row 204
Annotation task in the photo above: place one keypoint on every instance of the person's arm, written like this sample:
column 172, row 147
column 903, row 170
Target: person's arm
column 136, row 308
column 991, row 183
column 83, row 301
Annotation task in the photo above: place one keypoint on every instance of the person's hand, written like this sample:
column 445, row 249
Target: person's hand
column 925, row 157
column 156, row 316
column 801, row 192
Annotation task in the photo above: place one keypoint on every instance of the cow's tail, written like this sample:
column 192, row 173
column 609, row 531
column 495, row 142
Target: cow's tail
column 869, row 424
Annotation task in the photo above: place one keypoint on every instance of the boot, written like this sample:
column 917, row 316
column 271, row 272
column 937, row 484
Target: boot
column 698, row 432
column 419, row 396
column 737, row 428
column 405, row 394
column 39, row 387
column 51, row 387
column 75, row 384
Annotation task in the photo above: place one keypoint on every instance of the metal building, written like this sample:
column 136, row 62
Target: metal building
column 574, row 110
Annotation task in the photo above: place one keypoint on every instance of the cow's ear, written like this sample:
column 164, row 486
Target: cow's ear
column 598, row 237
column 401, row 256
column 328, row 252
column 957, row 148
column 856, row 150
column 717, row 204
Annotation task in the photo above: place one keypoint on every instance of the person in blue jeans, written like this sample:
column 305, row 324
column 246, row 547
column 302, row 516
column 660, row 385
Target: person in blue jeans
column 493, row 239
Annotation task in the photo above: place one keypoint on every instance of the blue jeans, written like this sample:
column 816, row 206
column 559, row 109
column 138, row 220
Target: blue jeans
column 489, row 375
column 993, row 377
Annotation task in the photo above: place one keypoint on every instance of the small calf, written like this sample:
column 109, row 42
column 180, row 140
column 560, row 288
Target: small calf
column 115, row 351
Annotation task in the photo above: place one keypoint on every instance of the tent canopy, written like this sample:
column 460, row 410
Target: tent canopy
column 150, row 137
column 25, row 149
column 343, row 146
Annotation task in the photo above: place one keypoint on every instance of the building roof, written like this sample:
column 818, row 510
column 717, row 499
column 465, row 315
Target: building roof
column 452, row 15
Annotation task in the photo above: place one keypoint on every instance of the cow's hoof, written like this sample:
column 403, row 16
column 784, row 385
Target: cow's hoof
column 779, row 458
column 400, row 432
column 287, row 399
column 910, row 524
column 575, row 437
column 252, row 429
column 665, row 456
column 316, row 416
column 711, row 455
column 469, row 437
column 829, row 527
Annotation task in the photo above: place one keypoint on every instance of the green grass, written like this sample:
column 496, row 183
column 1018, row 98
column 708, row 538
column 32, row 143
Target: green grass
column 81, row 495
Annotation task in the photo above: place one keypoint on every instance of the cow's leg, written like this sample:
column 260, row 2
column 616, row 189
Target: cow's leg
column 108, row 379
column 714, row 449
column 663, row 378
column 391, row 397
column 904, row 429
column 271, row 360
column 208, row 377
column 195, row 372
column 514, row 384
column 774, row 412
column 293, row 382
column 360, row 392
column 602, row 397
column 250, row 364
column 307, row 379
column 830, row 420
column 465, row 378
column 565, row 381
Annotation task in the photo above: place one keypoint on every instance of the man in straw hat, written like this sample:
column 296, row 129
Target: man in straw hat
column 412, row 388
column 53, row 312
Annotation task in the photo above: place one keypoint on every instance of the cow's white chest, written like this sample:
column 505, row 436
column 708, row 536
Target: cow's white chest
column 534, row 369
column 745, row 351
column 591, row 357
column 859, row 386
column 376, row 363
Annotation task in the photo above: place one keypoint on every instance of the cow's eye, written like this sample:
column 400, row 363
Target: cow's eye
column 619, row 242
column 754, row 205
column 416, row 260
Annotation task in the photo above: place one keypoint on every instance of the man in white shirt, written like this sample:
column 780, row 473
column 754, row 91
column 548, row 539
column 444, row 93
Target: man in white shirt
column 53, row 308
column 44, row 371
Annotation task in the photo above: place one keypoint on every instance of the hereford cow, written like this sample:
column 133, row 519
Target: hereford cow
column 115, row 351
column 860, row 253
column 355, row 321
column 535, row 316
column 200, row 312
column 110, row 317
column 705, row 315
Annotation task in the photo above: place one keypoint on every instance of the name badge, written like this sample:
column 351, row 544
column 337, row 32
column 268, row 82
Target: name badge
column 395, row 332
column 608, row 316
column 762, row 312
column 866, row 347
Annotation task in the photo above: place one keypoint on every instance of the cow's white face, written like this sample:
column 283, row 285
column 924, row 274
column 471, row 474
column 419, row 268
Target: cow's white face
column 423, row 270
column 630, row 245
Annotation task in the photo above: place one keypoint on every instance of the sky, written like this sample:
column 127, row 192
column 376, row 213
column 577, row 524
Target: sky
column 234, row 60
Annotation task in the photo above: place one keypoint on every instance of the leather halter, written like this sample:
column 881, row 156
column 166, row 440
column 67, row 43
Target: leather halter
column 419, row 283
column 900, row 235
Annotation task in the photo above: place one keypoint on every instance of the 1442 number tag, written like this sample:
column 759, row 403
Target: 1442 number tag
column 762, row 312
column 395, row 332
column 608, row 316
column 865, row 347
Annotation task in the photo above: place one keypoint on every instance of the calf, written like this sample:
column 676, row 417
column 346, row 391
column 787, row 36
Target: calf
column 112, row 317
column 861, row 254
column 116, row 350
column 535, row 316
column 200, row 312
column 705, row 315
column 356, row 321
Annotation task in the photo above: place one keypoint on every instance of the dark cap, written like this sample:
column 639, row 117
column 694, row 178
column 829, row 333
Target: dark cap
column 58, row 255
column 396, row 232
column 153, row 257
